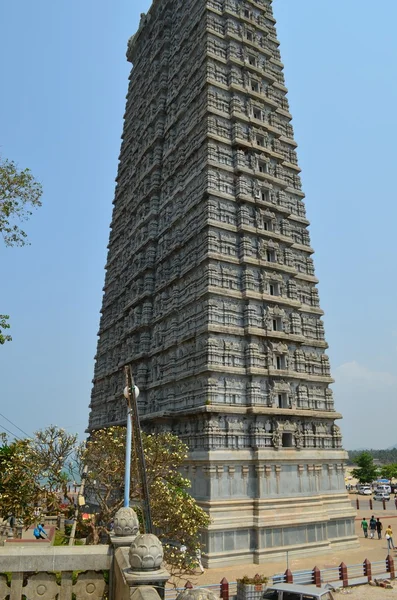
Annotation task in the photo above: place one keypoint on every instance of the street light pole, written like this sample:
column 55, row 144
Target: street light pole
column 131, row 393
column 129, row 390
column 127, row 474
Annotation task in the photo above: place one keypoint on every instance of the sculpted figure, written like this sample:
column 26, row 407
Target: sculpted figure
column 298, row 438
column 258, row 218
column 276, row 438
column 262, row 247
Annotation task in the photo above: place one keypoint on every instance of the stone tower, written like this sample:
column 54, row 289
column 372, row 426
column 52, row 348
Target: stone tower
column 210, row 290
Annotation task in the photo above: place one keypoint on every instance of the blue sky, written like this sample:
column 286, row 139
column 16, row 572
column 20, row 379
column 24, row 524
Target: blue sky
column 64, row 80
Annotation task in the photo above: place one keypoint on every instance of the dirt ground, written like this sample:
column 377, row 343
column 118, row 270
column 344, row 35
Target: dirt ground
column 366, row 592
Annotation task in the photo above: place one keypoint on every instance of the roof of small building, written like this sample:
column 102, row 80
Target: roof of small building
column 302, row 589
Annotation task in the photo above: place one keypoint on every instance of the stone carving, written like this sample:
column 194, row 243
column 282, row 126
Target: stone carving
column 41, row 585
column 126, row 522
column 146, row 553
column 262, row 249
column 197, row 594
column 277, row 439
column 90, row 586
column 298, row 438
column 210, row 291
column 287, row 426
column 4, row 588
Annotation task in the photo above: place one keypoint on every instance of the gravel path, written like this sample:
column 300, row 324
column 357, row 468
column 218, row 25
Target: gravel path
column 366, row 592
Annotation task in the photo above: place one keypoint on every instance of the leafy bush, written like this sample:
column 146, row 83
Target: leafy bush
column 255, row 580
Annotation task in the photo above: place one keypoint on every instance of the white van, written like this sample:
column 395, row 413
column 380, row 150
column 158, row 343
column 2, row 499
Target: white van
column 383, row 488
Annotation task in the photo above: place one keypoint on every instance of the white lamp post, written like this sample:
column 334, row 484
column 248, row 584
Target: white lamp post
column 127, row 474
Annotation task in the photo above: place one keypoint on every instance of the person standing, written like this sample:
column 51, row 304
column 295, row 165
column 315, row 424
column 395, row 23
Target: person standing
column 389, row 537
column 379, row 528
column 364, row 527
column 198, row 558
column 372, row 527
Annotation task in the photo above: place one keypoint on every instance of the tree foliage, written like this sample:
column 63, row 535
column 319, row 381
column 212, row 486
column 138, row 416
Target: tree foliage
column 386, row 456
column 176, row 516
column 366, row 471
column 32, row 472
column 389, row 471
column 19, row 491
column 19, row 194
column 53, row 447
column 3, row 326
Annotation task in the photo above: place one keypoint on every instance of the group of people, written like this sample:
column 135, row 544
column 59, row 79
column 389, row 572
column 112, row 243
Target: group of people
column 375, row 526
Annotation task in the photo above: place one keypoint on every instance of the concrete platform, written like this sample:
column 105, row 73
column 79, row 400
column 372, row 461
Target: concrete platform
column 373, row 549
column 28, row 537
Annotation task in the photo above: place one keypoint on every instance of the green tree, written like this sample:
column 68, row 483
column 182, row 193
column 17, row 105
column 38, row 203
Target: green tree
column 387, row 456
column 176, row 516
column 3, row 326
column 389, row 471
column 19, row 491
column 32, row 472
column 19, row 194
column 53, row 450
column 366, row 471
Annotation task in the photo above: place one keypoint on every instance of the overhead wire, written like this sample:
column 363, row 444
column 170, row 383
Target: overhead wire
column 16, row 426
column 10, row 432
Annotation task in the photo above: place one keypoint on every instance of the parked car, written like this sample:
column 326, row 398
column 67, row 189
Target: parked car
column 365, row 490
column 290, row 591
column 381, row 496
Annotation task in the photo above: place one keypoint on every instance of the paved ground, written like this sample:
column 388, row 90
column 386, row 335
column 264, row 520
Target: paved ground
column 28, row 537
column 373, row 549
column 377, row 506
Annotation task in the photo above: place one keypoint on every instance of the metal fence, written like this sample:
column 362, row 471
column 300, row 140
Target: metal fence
column 341, row 576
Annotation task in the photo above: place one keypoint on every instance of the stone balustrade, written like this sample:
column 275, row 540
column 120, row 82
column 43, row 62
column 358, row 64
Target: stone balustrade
column 48, row 572
column 128, row 569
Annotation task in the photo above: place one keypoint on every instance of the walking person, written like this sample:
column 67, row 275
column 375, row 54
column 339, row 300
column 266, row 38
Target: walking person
column 364, row 527
column 183, row 549
column 372, row 527
column 198, row 558
column 379, row 528
column 389, row 537
column 38, row 532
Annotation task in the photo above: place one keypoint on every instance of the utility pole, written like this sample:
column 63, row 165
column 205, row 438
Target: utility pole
column 76, row 512
column 131, row 393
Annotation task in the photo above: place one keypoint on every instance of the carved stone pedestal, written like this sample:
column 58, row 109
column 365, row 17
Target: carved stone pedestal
column 126, row 579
